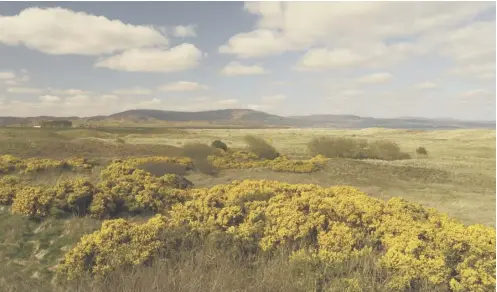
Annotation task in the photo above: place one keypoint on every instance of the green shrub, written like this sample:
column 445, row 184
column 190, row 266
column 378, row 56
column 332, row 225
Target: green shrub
column 355, row 148
column 219, row 145
column 338, row 147
column 159, row 168
column 261, row 148
column 199, row 153
column 9, row 185
column 120, row 141
column 385, row 150
column 196, row 150
column 421, row 151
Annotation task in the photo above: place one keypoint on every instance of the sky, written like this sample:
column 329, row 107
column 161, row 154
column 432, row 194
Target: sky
column 375, row 59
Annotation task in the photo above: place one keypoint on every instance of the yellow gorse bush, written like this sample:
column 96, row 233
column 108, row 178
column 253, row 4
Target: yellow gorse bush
column 74, row 195
column 10, row 164
column 327, row 225
column 9, row 186
column 244, row 160
column 122, row 188
column 33, row 201
column 118, row 243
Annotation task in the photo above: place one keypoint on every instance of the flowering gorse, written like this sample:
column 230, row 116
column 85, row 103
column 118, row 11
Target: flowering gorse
column 11, row 164
column 329, row 225
column 243, row 160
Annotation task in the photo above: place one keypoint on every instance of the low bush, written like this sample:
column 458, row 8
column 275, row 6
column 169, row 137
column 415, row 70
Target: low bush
column 219, row 145
column 246, row 160
column 421, row 151
column 260, row 147
column 325, row 228
column 9, row 185
column 11, row 164
column 196, row 150
column 385, row 150
column 74, row 196
column 355, row 148
column 33, row 201
column 158, row 168
column 337, row 147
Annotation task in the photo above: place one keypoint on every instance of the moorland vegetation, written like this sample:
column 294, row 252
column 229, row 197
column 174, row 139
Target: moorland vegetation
column 327, row 238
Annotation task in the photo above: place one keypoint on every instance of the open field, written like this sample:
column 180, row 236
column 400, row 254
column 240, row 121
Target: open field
column 457, row 177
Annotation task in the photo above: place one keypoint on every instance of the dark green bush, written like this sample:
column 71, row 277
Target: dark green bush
column 355, row 148
column 338, row 147
column 196, row 150
column 199, row 153
column 421, row 151
column 219, row 145
column 385, row 150
column 261, row 148
column 159, row 168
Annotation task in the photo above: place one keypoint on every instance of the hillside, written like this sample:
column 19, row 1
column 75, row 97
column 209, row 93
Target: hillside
column 230, row 116
column 252, row 118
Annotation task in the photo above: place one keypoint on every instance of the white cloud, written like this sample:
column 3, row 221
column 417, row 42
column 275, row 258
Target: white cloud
column 426, row 85
column 375, row 78
column 16, row 79
column 179, row 58
column 351, row 92
column 258, row 43
column 68, row 91
column 475, row 92
column 59, row 31
column 183, row 86
column 343, row 35
column 110, row 97
column 49, row 98
column 201, row 98
column 146, row 104
column 185, row 31
column 230, row 101
column 133, row 91
column 324, row 59
column 291, row 26
column 256, row 107
column 82, row 105
column 5, row 75
column 268, row 102
column 236, row 68
column 24, row 90
column 273, row 98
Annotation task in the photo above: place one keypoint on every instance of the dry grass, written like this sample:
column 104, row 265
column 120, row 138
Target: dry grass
column 220, row 263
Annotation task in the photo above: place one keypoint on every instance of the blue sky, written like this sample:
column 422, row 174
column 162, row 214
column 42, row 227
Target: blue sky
column 379, row 59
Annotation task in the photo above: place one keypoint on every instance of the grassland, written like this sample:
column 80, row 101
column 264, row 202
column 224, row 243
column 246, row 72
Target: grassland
column 457, row 177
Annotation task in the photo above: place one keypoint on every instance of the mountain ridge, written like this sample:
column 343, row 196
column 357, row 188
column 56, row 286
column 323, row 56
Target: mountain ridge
column 249, row 117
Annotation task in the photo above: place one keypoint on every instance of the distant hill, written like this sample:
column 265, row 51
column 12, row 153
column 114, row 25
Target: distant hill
column 252, row 118
column 356, row 122
column 244, row 116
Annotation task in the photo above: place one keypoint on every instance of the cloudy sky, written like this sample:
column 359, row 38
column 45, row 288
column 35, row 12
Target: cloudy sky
column 383, row 59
